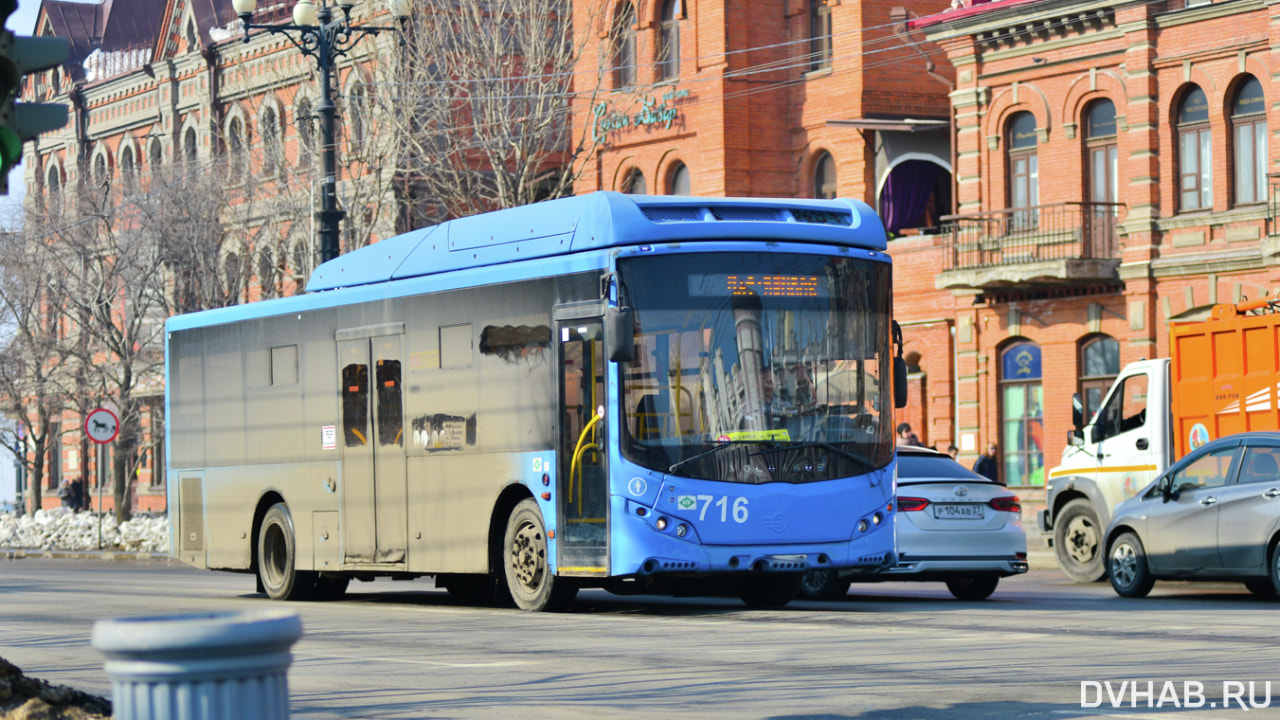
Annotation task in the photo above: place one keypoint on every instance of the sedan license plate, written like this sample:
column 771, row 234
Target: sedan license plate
column 961, row 511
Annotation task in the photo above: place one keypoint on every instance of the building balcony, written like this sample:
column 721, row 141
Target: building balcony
column 1042, row 246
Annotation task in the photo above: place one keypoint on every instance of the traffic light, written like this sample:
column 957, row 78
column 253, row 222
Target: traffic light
column 19, row 122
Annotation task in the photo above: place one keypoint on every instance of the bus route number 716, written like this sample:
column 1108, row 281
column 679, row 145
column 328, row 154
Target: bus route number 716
column 720, row 502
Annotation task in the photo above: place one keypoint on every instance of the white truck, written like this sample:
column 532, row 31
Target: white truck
column 1221, row 378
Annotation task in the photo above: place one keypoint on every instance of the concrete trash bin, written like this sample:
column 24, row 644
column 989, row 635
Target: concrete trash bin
column 210, row 666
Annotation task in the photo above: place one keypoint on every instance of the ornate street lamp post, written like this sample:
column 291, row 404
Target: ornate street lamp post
column 317, row 34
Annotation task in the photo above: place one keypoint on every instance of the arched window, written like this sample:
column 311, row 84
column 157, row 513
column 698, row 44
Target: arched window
column 1022, row 415
column 100, row 176
column 1195, row 158
column 624, row 46
column 669, row 41
column 238, row 150
column 357, row 110
column 271, row 148
column 1099, row 365
column 306, row 137
column 824, row 177
column 128, row 170
column 1100, row 139
column 1024, row 168
column 53, row 190
column 1249, row 131
column 819, row 35
column 680, row 183
column 157, row 156
column 635, row 184
column 189, row 147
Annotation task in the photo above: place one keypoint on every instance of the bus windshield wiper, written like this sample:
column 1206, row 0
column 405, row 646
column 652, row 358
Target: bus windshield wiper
column 709, row 451
column 821, row 445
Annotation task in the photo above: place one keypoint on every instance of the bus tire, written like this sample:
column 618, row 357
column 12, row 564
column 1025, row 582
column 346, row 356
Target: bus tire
column 530, row 581
column 278, row 556
column 1077, row 541
column 772, row 590
column 972, row 587
column 331, row 587
column 823, row 584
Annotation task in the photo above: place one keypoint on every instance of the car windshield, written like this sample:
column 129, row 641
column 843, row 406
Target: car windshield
column 757, row 367
column 934, row 467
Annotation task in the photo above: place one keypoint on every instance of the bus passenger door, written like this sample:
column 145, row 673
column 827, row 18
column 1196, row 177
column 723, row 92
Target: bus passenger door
column 374, row 492
column 583, row 479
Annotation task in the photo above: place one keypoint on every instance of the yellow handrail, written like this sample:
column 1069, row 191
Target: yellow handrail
column 577, row 451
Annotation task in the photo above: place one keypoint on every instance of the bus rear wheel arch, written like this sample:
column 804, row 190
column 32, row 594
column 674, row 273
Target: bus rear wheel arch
column 526, row 565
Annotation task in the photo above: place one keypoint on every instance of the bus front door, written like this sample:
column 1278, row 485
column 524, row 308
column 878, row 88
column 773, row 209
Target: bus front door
column 583, row 544
column 374, row 492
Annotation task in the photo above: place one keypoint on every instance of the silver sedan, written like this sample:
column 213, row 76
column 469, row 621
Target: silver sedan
column 953, row 526
column 1214, row 515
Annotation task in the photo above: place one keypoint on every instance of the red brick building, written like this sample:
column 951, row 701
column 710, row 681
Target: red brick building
column 155, row 84
column 1112, row 175
column 796, row 98
column 1110, row 160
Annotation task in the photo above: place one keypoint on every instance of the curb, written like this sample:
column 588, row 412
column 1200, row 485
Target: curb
column 104, row 555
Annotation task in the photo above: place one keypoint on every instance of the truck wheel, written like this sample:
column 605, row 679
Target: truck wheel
column 1127, row 566
column 524, row 555
column 771, row 591
column 977, row 587
column 277, row 558
column 822, row 585
column 1077, row 541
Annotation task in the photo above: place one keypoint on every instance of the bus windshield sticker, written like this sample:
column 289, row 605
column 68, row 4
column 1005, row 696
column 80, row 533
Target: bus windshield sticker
column 779, row 435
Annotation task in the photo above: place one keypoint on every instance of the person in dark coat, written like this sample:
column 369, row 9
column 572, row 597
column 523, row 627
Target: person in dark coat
column 988, row 464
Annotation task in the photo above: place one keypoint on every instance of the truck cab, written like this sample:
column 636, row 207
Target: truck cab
column 1125, row 445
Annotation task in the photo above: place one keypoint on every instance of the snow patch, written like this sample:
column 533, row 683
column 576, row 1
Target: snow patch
column 62, row 529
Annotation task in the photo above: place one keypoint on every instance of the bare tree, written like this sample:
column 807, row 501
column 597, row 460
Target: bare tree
column 113, row 284
column 33, row 357
column 480, row 105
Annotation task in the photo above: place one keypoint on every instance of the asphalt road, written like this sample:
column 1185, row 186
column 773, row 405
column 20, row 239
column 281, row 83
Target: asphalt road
column 897, row 651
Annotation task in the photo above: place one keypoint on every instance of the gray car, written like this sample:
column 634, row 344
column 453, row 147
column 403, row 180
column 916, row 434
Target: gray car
column 952, row 526
column 1214, row 515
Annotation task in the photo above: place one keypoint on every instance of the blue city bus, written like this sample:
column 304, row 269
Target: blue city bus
column 669, row 395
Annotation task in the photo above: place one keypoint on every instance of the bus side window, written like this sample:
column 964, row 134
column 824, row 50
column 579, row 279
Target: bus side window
column 355, row 404
column 390, row 414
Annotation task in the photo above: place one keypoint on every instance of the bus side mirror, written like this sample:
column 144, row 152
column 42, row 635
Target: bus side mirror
column 1077, row 412
column 899, row 382
column 619, row 334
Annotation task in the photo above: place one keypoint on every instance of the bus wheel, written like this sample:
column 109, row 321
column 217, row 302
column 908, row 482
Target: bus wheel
column 823, row 585
column 331, row 587
column 771, row 591
column 524, row 556
column 277, row 558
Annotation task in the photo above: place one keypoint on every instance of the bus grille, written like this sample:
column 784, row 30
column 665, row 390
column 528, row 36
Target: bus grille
column 748, row 214
column 823, row 217
column 191, row 514
column 673, row 214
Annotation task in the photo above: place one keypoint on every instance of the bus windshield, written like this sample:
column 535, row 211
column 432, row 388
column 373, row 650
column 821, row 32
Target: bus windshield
column 758, row 367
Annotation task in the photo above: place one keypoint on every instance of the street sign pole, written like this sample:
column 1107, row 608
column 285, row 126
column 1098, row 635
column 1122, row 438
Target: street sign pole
column 101, row 426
